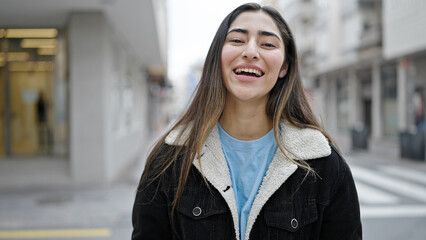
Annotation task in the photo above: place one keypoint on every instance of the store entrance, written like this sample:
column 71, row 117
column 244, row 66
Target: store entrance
column 26, row 90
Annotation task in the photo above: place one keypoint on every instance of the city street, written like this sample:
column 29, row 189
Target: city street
column 87, row 87
column 390, row 191
column 392, row 195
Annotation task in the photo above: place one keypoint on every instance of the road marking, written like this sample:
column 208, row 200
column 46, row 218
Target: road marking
column 55, row 233
column 371, row 195
column 406, row 173
column 389, row 183
column 393, row 211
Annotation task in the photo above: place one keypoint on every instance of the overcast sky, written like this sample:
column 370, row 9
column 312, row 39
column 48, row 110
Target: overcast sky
column 191, row 28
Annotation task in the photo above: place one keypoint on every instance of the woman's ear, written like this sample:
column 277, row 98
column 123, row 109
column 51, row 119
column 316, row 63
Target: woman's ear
column 283, row 71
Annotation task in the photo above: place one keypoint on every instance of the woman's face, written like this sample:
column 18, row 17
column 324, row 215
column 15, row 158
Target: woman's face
column 252, row 57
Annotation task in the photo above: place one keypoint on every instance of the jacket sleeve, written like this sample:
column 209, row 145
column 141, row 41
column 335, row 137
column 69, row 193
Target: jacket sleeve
column 150, row 215
column 342, row 217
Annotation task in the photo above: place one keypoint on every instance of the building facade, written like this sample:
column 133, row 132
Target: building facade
column 75, row 87
column 362, row 62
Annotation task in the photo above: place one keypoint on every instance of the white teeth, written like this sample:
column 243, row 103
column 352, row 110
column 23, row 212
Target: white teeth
column 249, row 70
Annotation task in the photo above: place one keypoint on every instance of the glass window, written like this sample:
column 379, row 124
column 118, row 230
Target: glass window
column 342, row 104
column 29, row 77
column 390, row 104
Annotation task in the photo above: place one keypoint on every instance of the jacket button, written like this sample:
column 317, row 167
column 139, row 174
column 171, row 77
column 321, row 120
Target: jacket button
column 294, row 223
column 196, row 211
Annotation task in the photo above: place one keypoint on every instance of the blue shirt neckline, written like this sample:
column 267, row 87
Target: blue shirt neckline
column 248, row 162
column 244, row 145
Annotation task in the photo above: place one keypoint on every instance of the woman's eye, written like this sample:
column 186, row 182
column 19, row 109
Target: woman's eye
column 236, row 40
column 269, row 45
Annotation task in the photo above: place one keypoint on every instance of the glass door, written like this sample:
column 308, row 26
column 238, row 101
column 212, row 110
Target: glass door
column 26, row 77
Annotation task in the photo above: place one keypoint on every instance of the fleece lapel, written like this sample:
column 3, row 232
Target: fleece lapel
column 215, row 168
column 279, row 170
column 303, row 143
column 300, row 144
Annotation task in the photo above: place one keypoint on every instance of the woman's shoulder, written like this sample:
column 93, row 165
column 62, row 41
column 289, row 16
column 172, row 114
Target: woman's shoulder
column 332, row 166
column 162, row 162
column 336, row 158
column 178, row 135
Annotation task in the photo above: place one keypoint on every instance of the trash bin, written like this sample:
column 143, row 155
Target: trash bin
column 412, row 145
column 360, row 137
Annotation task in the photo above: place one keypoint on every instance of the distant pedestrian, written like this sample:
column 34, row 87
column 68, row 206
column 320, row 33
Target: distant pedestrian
column 41, row 106
column 248, row 159
column 419, row 108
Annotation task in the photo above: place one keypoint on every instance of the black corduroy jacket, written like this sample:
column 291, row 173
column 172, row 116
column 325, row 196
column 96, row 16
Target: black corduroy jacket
column 289, row 204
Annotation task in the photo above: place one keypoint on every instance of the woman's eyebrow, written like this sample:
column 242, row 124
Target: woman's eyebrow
column 266, row 33
column 238, row 30
column 260, row 32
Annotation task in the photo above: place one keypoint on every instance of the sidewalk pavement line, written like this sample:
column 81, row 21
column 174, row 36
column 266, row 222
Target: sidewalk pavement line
column 390, row 183
column 406, row 173
column 393, row 211
column 55, row 233
column 372, row 195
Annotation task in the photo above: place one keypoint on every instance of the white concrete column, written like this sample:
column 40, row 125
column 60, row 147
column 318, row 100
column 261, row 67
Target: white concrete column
column 354, row 99
column 87, row 93
column 377, row 119
column 331, row 105
column 402, row 95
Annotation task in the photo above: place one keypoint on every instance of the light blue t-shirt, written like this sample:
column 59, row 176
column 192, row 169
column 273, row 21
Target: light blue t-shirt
column 248, row 162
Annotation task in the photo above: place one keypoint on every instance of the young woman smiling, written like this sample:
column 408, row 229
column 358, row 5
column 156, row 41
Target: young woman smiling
column 248, row 160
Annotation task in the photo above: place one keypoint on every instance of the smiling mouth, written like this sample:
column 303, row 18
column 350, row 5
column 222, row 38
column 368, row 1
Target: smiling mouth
column 248, row 72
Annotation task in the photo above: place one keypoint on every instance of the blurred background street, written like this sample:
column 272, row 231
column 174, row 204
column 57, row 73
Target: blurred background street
column 87, row 86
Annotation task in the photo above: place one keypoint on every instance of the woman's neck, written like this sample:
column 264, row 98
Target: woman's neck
column 245, row 121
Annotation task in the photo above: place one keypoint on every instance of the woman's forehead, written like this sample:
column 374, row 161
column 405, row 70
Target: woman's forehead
column 257, row 20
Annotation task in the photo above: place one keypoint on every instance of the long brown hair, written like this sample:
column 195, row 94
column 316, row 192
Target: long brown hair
column 287, row 101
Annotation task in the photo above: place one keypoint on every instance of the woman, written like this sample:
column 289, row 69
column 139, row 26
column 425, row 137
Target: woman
column 248, row 160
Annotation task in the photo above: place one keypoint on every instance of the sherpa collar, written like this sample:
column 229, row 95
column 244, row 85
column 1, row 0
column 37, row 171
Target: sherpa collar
column 300, row 144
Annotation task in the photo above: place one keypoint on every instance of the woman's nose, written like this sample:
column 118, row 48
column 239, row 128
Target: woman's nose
column 251, row 52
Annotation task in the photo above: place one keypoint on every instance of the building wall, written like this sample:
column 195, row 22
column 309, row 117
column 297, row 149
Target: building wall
column 125, row 105
column 88, row 138
column 404, row 42
column 367, row 64
column 100, row 99
column 404, row 27
column 108, row 97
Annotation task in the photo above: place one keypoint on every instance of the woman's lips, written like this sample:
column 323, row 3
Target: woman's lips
column 246, row 78
column 247, row 74
column 248, row 71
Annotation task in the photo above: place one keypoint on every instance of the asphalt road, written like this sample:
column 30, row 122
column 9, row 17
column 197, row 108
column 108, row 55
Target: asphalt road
column 392, row 197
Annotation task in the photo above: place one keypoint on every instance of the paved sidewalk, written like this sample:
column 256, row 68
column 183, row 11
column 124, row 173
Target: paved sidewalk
column 49, row 208
column 379, row 153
